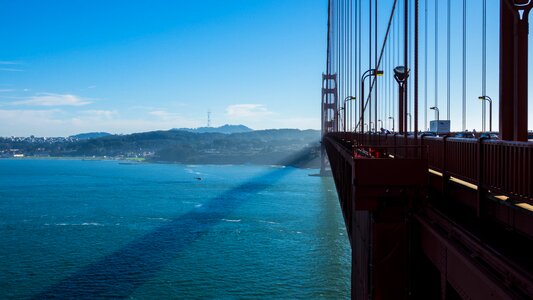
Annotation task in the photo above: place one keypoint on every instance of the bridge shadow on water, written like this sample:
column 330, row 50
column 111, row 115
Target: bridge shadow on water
column 118, row 274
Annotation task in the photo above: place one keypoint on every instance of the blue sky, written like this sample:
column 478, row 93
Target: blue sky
column 130, row 66
column 474, row 61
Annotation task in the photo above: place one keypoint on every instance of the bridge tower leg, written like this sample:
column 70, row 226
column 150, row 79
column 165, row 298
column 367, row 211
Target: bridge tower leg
column 330, row 115
column 514, row 23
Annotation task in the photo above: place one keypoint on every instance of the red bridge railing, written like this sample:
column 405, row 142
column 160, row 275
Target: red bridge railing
column 501, row 167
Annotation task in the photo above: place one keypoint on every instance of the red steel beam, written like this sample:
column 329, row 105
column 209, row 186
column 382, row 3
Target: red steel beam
column 514, row 23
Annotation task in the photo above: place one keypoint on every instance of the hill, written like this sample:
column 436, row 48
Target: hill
column 270, row 147
column 225, row 129
column 90, row 135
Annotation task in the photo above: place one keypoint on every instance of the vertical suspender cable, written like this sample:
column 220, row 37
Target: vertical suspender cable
column 448, row 60
column 406, row 62
column 415, row 61
column 396, row 63
column 370, row 64
column 349, row 55
column 350, row 61
column 484, row 64
column 376, row 63
column 336, row 50
column 359, row 56
column 464, row 65
column 343, row 53
column 411, row 58
column 425, row 64
column 339, row 47
column 332, row 53
column 389, row 114
column 436, row 56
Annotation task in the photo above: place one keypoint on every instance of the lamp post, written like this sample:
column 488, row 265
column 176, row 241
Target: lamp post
column 339, row 116
column 349, row 98
column 487, row 98
column 437, row 110
column 391, row 118
column 368, row 73
column 366, row 125
column 381, row 123
column 401, row 73
column 410, row 119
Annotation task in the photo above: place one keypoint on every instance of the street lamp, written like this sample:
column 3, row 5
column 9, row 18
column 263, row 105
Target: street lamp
column 366, row 125
column 368, row 73
column 437, row 110
column 381, row 124
column 349, row 98
column 391, row 118
column 410, row 119
column 487, row 98
column 339, row 115
column 401, row 73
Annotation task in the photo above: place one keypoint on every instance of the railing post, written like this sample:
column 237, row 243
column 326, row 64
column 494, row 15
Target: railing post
column 480, row 177
column 445, row 176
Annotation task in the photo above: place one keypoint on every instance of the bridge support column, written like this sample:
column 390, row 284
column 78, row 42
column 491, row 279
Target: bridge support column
column 330, row 114
column 514, row 15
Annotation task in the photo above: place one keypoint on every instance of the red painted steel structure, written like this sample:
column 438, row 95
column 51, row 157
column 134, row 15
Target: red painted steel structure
column 514, row 26
column 441, row 217
column 473, row 232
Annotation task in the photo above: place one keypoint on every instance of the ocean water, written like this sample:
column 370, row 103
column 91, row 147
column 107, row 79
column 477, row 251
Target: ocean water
column 101, row 229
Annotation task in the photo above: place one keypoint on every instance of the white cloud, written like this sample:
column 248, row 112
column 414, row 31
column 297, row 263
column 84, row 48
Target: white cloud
column 10, row 65
column 162, row 114
column 100, row 114
column 26, row 122
column 55, row 122
column 11, row 70
column 51, row 99
column 247, row 111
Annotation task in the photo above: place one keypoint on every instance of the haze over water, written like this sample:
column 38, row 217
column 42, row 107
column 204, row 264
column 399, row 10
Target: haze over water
column 90, row 229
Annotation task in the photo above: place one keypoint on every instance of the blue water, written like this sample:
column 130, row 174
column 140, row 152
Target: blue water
column 100, row 229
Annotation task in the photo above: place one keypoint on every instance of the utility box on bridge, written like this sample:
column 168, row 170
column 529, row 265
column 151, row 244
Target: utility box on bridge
column 439, row 126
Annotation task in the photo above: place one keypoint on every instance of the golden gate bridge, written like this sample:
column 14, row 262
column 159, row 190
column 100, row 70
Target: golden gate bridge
column 431, row 211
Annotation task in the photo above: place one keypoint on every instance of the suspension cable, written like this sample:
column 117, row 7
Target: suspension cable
column 464, row 65
column 425, row 64
column 448, row 59
column 375, row 62
column 436, row 56
column 484, row 64
column 415, row 60
column 387, row 32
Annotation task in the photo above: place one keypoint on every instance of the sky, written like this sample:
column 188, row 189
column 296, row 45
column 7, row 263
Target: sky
column 437, row 14
column 131, row 66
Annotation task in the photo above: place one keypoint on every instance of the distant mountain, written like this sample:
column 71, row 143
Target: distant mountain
column 90, row 135
column 300, row 148
column 225, row 129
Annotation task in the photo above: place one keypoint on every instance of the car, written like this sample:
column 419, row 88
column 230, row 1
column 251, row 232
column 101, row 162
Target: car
column 427, row 133
column 487, row 135
column 465, row 135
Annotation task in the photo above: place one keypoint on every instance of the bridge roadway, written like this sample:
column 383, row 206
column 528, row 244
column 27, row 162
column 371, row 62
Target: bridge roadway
column 436, row 217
